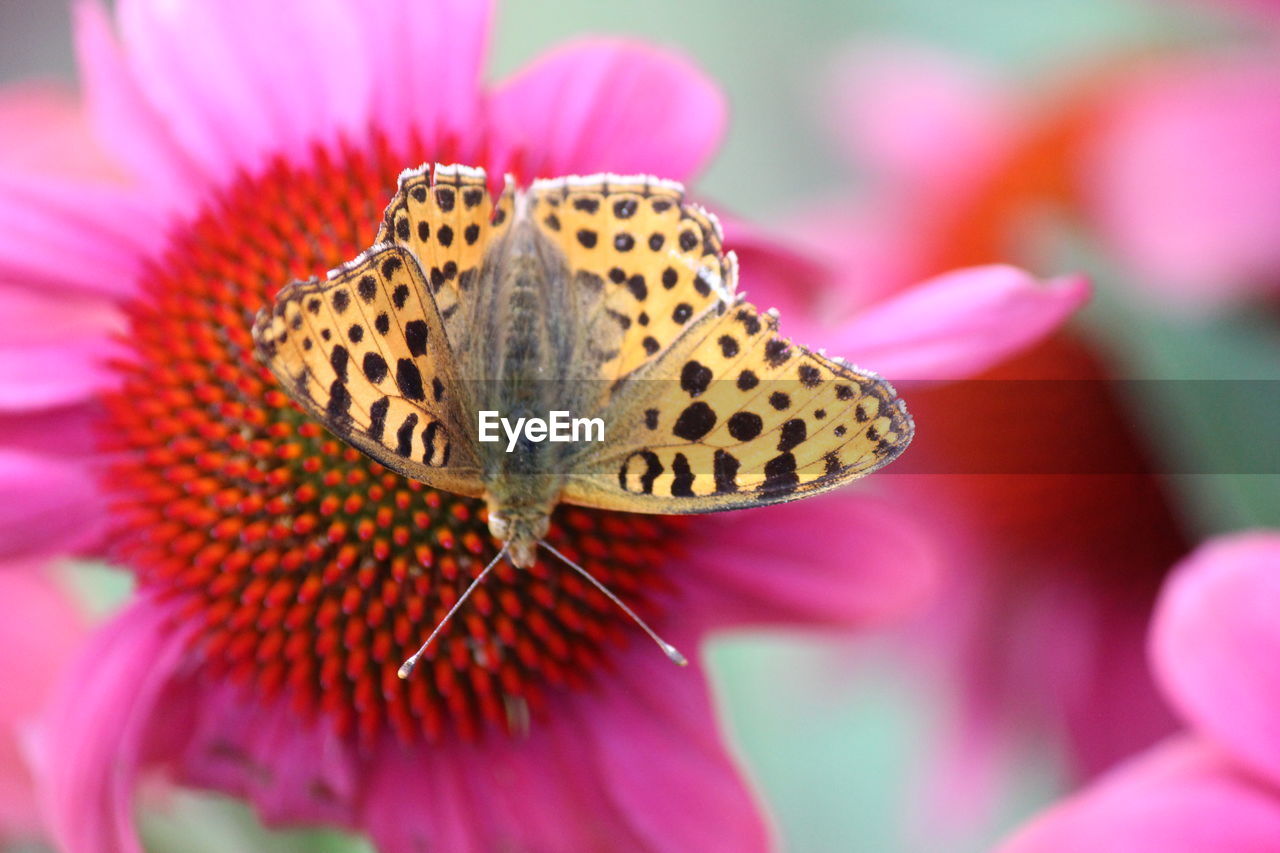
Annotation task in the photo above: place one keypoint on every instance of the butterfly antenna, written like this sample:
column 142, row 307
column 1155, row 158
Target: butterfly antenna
column 407, row 666
column 667, row 649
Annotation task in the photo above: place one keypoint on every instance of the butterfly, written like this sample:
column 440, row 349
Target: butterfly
column 603, row 298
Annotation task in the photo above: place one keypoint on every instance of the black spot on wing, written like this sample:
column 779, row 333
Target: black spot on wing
column 429, row 441
column 415, row 335
column 694, row 378
column 409, row 380
column 338, row 361
column 375, row 367
column 793, row 432
column 404, row 436
column 726, row 471
column 780, row 476
column 694, row 422
column 776, row 352
column 652, row 468
column 338, row 409
column 744, row 426
column 749, row 320
column 378, row 415
column 682, row 484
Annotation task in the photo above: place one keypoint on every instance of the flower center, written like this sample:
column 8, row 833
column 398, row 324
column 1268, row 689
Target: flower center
column 312, row 570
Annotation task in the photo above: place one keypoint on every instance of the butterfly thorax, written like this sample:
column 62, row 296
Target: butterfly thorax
column 525, row 354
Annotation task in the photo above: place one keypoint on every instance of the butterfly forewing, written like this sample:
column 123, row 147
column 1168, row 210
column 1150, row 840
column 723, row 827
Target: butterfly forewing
column 446, row 217
column 365, row 351
column 655, row 259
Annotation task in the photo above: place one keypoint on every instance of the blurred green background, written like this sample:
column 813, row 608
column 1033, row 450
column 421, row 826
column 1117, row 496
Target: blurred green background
column 836, row 734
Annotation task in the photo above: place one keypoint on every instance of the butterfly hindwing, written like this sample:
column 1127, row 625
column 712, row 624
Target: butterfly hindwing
column 734, row 415
column 655, row 259
column 446, row 217
column 364, row 351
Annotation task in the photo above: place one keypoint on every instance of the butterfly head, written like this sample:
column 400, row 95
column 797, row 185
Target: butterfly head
column 520, row 533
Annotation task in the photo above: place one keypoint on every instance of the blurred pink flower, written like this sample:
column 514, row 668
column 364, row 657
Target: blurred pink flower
column 1182, row 176
column 1049, row 578
column 1170, row 161
column 40, row 629
column 1215, row 643
column 283, row 577
column 1265, row 11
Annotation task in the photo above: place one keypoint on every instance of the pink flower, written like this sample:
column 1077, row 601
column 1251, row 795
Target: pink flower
column 40, row 629
column 1182, row 176
column 1050, row 579
column 1171, row 162
column 1215, row 644
column 282, row 577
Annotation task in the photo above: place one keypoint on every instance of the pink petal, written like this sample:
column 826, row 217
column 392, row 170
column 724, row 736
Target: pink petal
column 41, row 376
column 31, row 316
column 293, row 770
column 124, row 121
column 45, row 132
column 239, row 81
column 1215, row 644
column 873, row 248
column 1185, row 179
column 916, row 115
column 71, row 429
column 607, row 105
column 426, row 59
column 1044, row 655
column 69, row 235
column 635, row 762
column 1183, row 797
column 958, row 324
column 773, row 272
column 40, row 628
column 657, row 745
column 46, row 506
column 95, row 733
column 844, row 560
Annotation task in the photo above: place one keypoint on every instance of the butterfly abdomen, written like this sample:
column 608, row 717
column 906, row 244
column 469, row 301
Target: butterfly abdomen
column 521, row 353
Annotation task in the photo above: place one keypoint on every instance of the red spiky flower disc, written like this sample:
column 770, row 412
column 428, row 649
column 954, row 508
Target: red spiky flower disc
column 308, row 567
